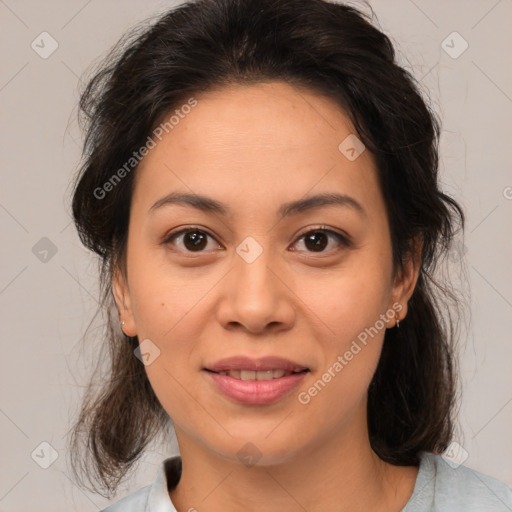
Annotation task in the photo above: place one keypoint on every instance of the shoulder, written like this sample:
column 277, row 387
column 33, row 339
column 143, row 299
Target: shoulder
column 134, row 502
column 442, row 485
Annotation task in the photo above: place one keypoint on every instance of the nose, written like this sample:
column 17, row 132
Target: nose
column 254, row 298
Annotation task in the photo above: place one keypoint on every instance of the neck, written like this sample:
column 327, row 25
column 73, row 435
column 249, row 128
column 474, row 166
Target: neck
column 336, row 475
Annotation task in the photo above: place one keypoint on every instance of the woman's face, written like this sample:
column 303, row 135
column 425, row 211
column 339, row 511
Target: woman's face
column 256, row 277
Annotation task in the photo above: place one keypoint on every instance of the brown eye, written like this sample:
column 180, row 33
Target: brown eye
column 318, row 239
column 190, row 240
column 195, row 240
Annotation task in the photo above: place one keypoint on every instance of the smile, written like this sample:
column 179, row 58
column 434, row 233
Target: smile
column 249, row 375
column 250, row 387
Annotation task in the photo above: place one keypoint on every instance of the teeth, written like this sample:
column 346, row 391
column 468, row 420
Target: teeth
column 256, row 375
column 265, row 375
column 248, row 375
column 276, row 374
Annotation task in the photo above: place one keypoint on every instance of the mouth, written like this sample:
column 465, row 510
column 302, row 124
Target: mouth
column 256, row 387
column 262, row 381
column 259, row 375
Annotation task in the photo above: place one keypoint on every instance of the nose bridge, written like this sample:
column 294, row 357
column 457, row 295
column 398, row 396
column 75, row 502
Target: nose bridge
column 253, row 279
column 256, row 297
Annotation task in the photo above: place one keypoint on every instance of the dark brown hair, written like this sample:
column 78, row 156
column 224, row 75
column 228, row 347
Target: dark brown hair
column 332, row 49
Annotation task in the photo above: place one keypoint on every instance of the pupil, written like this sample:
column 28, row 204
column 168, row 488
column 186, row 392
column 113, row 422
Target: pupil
column 196, row 238
column 318, row 241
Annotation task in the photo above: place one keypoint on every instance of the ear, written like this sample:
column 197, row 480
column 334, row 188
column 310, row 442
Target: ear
column 406, row 279
column 123, row 301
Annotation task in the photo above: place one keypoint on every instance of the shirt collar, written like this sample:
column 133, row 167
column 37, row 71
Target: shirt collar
column 167, row 477
column 169, row 474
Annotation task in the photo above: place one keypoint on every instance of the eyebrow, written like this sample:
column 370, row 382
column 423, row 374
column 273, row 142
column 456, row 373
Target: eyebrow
column 210, row 205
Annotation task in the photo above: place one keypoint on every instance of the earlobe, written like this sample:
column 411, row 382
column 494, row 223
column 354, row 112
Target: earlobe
column 406, row 279
column 123, row 302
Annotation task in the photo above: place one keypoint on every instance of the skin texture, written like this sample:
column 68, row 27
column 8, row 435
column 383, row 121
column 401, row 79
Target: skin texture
column 254, row 148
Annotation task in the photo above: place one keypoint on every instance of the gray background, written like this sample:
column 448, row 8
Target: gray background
column 47, row 299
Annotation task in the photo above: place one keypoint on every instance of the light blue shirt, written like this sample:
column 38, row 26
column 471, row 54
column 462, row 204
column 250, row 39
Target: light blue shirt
column 439, row 487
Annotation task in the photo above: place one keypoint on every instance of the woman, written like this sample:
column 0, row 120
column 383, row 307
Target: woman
column 260, row 182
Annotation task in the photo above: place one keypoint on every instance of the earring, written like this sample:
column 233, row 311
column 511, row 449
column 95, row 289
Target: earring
column 397, row 320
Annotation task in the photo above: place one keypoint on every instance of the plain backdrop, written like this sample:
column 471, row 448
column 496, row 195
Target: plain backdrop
column 48, row 285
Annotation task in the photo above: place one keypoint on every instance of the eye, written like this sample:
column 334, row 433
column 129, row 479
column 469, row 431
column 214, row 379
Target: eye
column 191, row 240
column 194, row 239
column 317, row 240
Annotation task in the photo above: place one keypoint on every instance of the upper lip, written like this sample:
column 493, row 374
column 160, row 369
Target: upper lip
column 261, row 364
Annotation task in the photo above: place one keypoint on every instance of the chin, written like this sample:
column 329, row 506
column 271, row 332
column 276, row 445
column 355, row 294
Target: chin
column 257, row 447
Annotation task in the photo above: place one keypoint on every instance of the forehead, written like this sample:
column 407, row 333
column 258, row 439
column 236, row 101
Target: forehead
column 265, row 137
column 270, row 116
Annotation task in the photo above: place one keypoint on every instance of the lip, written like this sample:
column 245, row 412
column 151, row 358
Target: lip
column 255, row 392
column 264, row 363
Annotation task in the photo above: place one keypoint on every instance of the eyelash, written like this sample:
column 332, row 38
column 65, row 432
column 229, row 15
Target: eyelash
column 343, row 241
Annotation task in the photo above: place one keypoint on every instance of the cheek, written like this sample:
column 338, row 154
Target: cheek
column 163, row 296
column 346, row 301
column 351, row 352
column 169, row 309
column 172, row 322
column 352, row 306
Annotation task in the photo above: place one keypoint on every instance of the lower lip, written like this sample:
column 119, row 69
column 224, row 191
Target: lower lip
column 256, row 392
